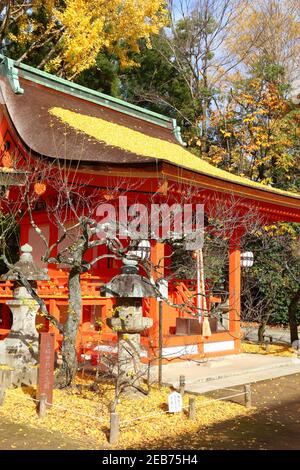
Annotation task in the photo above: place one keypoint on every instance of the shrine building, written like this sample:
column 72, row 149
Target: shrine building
column 109, row 142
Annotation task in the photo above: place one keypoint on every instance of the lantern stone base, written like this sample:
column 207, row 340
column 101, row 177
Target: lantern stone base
column 19, row 350
column 128, row 322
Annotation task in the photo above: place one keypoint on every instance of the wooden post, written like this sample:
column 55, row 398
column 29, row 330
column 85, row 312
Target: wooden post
column 247, row 388
column 2, row 394
column 4, row 378
column 114, row 428
column 5, row 381
column 182, row 384
column 43, row 405
column 192, row 408
column 160, row 342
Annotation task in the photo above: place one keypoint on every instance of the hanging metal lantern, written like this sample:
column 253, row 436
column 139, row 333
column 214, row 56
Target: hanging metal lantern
column 247, row 259
column 141, row 252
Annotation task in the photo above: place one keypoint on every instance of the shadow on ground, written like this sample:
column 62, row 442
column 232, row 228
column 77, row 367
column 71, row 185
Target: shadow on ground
column 275, row 424
column 14, row 436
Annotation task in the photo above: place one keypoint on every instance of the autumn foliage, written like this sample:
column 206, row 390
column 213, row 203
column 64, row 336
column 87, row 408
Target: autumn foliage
column 256, row 134
column 71, row 34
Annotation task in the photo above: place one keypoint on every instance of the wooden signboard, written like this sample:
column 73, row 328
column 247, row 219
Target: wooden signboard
column 46, row 366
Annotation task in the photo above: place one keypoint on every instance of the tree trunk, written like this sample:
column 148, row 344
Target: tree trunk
column 292, row 311
column 261, row 331
column 68, row 369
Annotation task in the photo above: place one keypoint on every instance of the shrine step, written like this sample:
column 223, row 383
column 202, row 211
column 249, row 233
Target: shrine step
column 236, row 366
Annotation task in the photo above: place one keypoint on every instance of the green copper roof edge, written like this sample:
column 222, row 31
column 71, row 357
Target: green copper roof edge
column 13, row 69
column 8, row 68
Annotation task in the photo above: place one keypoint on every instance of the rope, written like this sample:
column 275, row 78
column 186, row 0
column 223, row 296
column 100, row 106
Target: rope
column 75, row 412
column 208, row 402
column 144, row 417
column 24, row 398
column 233, row 390
column 61, row 407
column 224, row 398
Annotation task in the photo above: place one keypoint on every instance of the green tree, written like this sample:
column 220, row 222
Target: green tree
column 271, row 290
column 104, row 76
column 156, row 85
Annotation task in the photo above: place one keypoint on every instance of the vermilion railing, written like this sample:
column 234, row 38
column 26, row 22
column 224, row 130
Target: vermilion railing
column 180, row 292
column 185, row 293
column 57, row 287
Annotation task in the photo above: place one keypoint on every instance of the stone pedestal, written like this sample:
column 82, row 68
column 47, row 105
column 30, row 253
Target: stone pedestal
column 20, row 349
column 128, row 322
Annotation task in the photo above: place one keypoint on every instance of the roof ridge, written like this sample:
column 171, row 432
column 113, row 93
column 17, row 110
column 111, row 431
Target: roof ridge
column 14, row 69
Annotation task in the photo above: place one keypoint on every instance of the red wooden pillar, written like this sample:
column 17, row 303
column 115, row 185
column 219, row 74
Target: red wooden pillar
column 235, row 287
column 157, row 259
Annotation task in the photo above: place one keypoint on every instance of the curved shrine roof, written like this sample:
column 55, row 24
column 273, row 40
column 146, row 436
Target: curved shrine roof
column 59, row 119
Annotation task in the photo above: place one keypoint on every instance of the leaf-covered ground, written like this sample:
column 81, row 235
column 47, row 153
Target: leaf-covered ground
column 274, row 349
column 272, row 424
column 83, row 415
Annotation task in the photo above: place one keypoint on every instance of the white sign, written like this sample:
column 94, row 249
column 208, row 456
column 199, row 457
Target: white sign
column 175, row 402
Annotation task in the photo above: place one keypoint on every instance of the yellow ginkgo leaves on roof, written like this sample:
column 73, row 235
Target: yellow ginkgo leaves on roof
column 136, row 142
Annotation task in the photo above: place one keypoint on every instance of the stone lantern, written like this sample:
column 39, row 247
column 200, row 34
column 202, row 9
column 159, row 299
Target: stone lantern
column 20, row 349
column 128, row 322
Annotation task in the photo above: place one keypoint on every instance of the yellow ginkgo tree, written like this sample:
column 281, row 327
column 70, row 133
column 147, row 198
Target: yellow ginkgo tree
column 91, row 25
column 66, row 37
